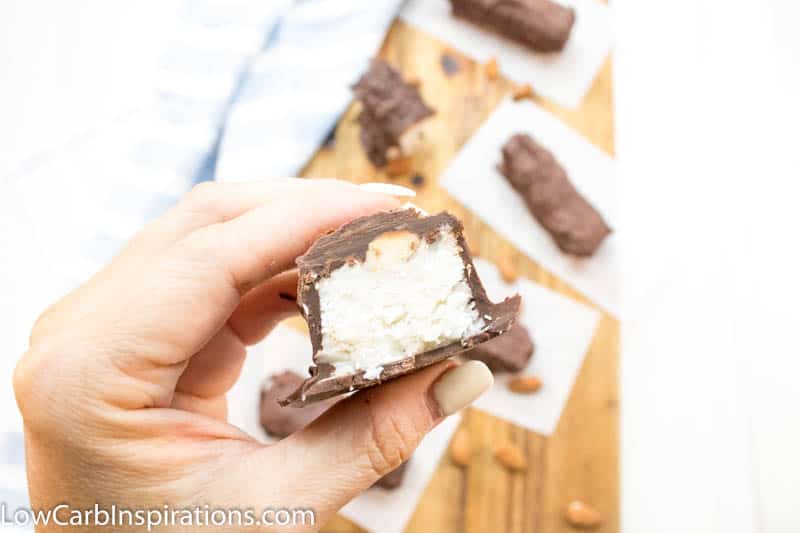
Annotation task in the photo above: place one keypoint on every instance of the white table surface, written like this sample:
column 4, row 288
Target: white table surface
column 707, row 117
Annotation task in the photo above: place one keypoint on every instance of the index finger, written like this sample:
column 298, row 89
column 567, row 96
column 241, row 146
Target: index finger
column 267, row 239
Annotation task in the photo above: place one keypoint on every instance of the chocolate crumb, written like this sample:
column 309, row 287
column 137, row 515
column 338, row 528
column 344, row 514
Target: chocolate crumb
column 449, row 64
column 417, row 180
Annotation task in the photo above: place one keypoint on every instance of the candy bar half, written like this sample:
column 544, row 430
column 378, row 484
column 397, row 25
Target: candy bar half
column 391, row 115
column 388, row 294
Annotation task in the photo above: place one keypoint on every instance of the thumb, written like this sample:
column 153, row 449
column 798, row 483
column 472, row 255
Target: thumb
column 363, row 438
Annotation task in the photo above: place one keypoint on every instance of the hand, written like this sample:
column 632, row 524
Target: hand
column 123, row 388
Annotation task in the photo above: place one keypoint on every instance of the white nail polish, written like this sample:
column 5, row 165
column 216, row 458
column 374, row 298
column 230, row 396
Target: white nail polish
column 461, row 386
column 388, row 188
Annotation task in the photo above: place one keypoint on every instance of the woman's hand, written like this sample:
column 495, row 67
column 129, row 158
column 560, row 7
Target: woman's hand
column 123, row 388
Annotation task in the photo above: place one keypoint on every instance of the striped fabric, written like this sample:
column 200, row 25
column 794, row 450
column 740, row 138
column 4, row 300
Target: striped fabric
column 265, row 80
column 299, row 85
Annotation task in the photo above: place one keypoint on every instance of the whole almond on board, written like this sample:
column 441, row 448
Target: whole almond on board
column 491, row 68
column 525, row 384
column 507, row 270
column 522, row 91
column 511, row 457
column 399, row 166
column 582, row 516
column 461, row 448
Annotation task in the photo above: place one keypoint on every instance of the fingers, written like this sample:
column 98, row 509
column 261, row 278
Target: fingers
column 216, row 408
column 215, row 368
column 264, row 306
column 212, row 202
column 365, row 437
column 265, row 240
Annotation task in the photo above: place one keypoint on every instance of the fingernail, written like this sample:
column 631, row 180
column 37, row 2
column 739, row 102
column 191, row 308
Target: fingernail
column 461, row 386
column 388, row 188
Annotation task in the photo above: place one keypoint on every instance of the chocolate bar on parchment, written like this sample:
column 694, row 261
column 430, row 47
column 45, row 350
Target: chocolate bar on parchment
column 542, row 25
column 575, row 225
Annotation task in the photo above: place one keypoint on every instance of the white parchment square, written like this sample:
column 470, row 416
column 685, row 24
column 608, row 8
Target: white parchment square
column 562, row 330
column 473, row 179
column 564, row 77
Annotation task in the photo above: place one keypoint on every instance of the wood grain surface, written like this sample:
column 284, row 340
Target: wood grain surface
column 581, row 459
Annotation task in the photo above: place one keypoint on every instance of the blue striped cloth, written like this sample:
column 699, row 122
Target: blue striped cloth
column 299, row 85
column 247, row 89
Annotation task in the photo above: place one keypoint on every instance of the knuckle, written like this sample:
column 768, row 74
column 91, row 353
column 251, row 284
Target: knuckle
column 24, row 382
column 203, row 196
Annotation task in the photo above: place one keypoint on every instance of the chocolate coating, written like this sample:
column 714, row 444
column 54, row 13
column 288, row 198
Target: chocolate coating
column 393, row 479
column 506, row 353
column 350, row 243
column 280, row 421
column 389, row 107
column 542, row 25
column 577, row 228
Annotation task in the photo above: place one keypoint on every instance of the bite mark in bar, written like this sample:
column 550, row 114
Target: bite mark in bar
column 388, row 294
column 577, row 228
column 542, row 25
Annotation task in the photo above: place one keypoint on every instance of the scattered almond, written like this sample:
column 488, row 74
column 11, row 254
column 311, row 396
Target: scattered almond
column 582, row 516
column 399, row 166
column 461, row 448
column 393, row 152
column 507, row 270
column 491, row 68
column 525, row 384
column 522, row 91
column 511, row 457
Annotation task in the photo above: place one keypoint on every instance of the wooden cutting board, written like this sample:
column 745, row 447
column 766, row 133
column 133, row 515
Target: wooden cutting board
column 581, row 459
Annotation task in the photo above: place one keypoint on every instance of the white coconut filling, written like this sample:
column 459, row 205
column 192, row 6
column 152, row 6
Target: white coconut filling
column 409, row 296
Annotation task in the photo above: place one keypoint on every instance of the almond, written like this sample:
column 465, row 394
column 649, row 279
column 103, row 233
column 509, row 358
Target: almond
column 399, row 166
column 461, row 448
column 525, row 384
column 391, row 247
column 511, row 457
column 491, row 68
column 582, row 516
column 522, row 91
column 507, row 270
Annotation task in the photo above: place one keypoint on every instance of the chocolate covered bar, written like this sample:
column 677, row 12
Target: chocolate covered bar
column 506, row 353
column 391, row 114
column 388, row 294
column 393, row 479
column 576, row 226
column 280, row 422
column 542, row 25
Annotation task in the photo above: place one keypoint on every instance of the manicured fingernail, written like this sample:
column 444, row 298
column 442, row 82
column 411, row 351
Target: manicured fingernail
column 388, row 188
column 461, row 386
